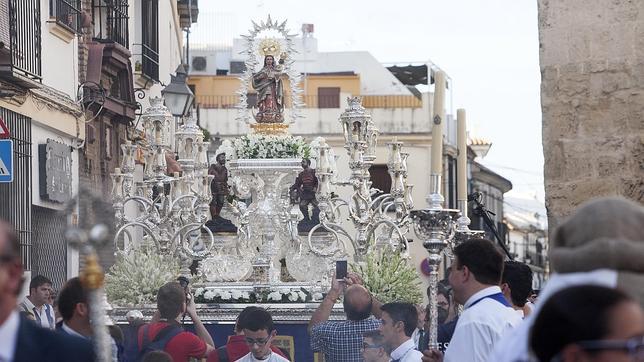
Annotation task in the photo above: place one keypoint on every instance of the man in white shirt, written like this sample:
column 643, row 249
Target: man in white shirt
column 475, row 277
column 259, row 332
column 398, row 323
column 419, row 333
column 36, row 306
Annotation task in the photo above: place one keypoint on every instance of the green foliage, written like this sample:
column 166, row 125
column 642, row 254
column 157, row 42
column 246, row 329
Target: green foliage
column 206, row 134
column 390, row 278
column 135, row 277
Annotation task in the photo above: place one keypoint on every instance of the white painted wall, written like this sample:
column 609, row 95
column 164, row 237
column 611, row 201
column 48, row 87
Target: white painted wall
column 170, row 45
column 59, row 58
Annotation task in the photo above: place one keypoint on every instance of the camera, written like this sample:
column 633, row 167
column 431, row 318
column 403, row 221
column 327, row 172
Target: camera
column 184, row 282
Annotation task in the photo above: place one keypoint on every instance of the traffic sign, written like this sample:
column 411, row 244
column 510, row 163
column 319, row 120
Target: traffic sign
column 6, row 161
column 4, row 131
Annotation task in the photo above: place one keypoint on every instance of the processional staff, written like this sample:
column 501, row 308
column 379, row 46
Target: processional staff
column 92, row 277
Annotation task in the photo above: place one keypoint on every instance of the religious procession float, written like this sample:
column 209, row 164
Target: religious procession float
column 265, row 223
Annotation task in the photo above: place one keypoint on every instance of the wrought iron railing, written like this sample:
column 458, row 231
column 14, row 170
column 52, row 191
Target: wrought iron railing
column 15, row 197
column 150, row 39
column 110, row 20
column 66, row 13
column 317, row 101
column 24, row 37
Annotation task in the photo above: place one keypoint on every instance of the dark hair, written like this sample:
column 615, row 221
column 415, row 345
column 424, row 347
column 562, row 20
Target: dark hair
column 170, row 299
column 518, row 276
column 240, row 324
column 258, row 319
column 71, row 294
column 266, row 57
column 442, row 289
column 482, row 258
column 157, row 356
column 403, row 312
column 377, row 337
column 355, row 313
column 578, row 313
column 38, row 281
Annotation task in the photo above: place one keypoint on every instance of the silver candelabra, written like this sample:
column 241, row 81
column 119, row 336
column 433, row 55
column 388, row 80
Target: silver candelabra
column 379, row 218
column 170, row 209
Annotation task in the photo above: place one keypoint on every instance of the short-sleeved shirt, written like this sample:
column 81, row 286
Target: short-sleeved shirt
column 181, row 347
column 341, row 341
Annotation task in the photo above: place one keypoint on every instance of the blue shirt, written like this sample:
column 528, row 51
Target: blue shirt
column 341, row 341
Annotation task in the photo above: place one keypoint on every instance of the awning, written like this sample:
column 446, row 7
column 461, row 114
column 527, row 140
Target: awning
column 410, row 74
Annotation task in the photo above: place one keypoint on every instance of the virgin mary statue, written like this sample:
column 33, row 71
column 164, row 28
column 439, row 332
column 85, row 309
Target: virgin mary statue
column 270, row 94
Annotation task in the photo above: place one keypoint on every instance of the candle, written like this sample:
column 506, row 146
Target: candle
column 438, row 118
column 461, row 170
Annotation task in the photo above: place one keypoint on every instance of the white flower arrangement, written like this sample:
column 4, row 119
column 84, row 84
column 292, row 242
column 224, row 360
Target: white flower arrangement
column 136, row 277
column 214, row 295
column 256, row 146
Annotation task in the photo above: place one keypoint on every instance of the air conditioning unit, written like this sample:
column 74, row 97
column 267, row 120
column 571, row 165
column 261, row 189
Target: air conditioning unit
column 237, row 67
column 199, row 63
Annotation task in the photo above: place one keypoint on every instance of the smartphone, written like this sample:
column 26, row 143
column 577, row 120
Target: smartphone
column 184, row 282
column 340, row 269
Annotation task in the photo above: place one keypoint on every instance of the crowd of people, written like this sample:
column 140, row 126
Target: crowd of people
column 590, row 309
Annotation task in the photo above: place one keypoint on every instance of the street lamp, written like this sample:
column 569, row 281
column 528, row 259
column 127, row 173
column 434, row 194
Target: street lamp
column 178, row 96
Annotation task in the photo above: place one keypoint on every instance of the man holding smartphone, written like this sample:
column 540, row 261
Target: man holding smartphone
column 342, row 340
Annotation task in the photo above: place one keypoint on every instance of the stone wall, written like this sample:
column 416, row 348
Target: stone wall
column 592, row 98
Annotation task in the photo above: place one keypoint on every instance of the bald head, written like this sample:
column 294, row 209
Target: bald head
column 357, row 302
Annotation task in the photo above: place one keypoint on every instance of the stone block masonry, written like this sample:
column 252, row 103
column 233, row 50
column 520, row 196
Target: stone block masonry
column 592, row 100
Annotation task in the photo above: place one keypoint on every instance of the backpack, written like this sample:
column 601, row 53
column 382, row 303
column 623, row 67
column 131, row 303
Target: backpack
column 160, row 340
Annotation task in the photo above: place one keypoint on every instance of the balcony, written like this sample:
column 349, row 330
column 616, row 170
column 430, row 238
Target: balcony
column 317, row 101
column 20, row 42
column 110, row 21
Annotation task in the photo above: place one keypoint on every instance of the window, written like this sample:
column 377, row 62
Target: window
column 329, row 97
column 150, row 45
column 380, row 178
column 110, row 20
column 24, row 38
column 67, row 13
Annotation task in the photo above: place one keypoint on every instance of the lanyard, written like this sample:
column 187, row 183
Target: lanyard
column 497, row 296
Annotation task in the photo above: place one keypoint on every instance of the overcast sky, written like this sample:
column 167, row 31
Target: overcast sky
column 489, row 48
